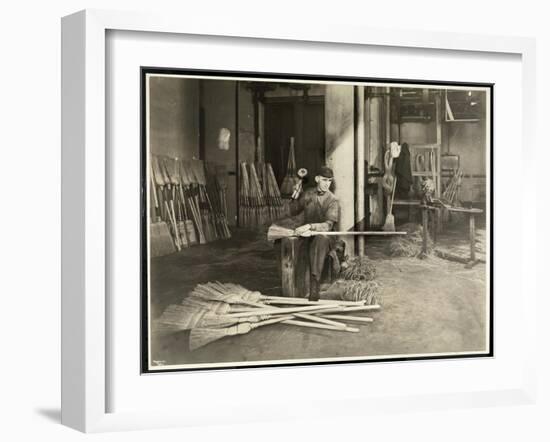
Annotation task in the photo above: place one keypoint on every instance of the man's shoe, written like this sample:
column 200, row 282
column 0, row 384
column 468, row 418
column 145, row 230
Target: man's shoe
column 314, row 289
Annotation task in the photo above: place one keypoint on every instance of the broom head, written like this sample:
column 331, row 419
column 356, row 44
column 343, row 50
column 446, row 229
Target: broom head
column 199, row 337
column 181, row 317
column 277, row 232
column 389, row 225
column 160, row 240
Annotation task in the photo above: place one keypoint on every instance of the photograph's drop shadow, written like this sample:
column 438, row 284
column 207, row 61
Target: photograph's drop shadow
column 51, row 414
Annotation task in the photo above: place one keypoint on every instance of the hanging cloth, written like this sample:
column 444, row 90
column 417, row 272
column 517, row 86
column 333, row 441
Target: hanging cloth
column 403, row 172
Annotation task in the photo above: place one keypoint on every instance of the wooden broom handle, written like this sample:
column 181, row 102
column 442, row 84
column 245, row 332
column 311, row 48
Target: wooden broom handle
column 276, row 311
column 316, row 325
column 366, row 233
column 393, row 192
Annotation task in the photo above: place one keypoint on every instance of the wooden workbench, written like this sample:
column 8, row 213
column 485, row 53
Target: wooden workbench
column 472, row 232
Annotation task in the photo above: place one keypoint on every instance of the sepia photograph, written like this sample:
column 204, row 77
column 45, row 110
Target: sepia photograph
column 305, row 220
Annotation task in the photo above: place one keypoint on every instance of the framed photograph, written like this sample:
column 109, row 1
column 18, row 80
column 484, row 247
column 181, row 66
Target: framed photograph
column 221, row 216
column 236, row 223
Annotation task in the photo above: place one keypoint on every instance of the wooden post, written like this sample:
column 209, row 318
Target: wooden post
column 424, row 231
column 339, row 138
column 375, row 156
column 438, row 142
column 436, row 223
column 472, row 238
column 289, row 251
column 360, row 166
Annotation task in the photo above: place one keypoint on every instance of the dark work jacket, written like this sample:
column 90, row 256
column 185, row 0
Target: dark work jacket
column 312, row 208
column 403, row 172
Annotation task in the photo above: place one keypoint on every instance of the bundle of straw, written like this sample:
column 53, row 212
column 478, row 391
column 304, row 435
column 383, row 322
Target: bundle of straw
column 359, row 268
column 367, row 291
column 409, row 245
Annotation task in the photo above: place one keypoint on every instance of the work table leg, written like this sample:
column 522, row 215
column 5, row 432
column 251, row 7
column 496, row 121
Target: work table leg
column 424, row 232
column 472, row 242
column 289, row 251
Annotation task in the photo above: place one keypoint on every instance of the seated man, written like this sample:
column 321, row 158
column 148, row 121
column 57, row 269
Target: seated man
column 317, row 210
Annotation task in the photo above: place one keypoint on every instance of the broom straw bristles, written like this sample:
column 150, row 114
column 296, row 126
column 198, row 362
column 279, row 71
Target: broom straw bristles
column 199, row 337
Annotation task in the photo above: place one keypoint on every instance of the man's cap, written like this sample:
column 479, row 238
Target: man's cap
column 326, row 172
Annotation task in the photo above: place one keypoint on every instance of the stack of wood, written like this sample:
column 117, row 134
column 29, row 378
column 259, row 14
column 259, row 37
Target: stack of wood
column 215, row 310
column 260, row 201
column 192, row 206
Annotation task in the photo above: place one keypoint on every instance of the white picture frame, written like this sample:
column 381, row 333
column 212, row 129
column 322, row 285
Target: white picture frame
column 85, row 218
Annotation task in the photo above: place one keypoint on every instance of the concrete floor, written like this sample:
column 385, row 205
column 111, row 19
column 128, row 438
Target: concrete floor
column 428, row 306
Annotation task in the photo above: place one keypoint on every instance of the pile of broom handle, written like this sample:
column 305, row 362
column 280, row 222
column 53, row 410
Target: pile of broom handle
column 317, row 316
column 165, row 197
column 183, row 193
column 451, row 190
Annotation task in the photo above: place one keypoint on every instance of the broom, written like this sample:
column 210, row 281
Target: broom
column 217, row 307
column 258, row 197
column 160, row 241
column 289, row 181
column 164, row 184
column 280, row 311
column 210, row 294
column 244, row 206
column 159, row 181
column 190, row 232
column 169, row 201
column 239, row 294
column 187, row 182
column 274, row 191
column 258, row 297
column 215, row 193
column 199, row 337
column 178, row 317
column 172, row 170
column 389, row 224
column 197, row 172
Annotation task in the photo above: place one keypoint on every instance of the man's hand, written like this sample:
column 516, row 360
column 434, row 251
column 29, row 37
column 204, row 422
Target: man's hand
column 304, row 230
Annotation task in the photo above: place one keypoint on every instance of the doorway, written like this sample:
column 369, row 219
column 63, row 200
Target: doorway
column 305, row 121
